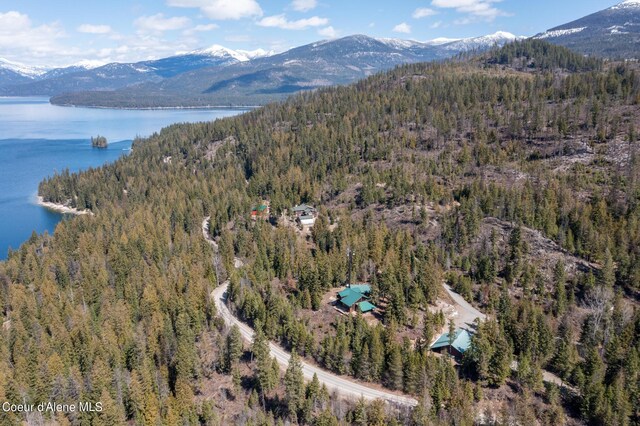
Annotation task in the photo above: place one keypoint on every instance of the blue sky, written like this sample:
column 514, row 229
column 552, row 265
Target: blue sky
column 55, row 33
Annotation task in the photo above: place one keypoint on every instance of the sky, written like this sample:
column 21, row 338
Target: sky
column 59, row 33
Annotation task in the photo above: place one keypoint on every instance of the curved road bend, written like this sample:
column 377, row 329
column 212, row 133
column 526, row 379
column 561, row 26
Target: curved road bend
column 332, row 381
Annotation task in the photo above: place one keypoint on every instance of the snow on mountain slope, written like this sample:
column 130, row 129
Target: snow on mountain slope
column 24, row 70
column 484, row 42
column 558, row 33
column 612, row 33
column 258, row 53
column 626, row 4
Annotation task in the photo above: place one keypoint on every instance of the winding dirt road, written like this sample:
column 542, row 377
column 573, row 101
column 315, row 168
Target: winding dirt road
column 333, row 382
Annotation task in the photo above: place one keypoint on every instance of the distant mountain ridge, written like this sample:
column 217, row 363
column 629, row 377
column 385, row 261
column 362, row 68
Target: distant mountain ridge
column 20, row 80
column 222, row 76
column 611, row 33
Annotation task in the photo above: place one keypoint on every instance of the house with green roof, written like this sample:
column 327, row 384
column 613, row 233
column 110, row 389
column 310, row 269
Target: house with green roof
column 356, row 297
column 457, row 346
column 261, row 211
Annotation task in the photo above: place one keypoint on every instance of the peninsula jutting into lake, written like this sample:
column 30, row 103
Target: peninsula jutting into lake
column 38, row 140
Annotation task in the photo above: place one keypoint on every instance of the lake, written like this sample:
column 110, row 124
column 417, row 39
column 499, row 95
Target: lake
column 38, row 139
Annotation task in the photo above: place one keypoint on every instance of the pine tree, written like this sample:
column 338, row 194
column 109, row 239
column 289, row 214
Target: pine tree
column 560, row 300
column 608, row 273
column 233, row 348
column 294, row 384
column 394, row 368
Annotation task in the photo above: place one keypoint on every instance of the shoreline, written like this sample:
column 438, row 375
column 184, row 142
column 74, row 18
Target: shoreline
column 61, row 208
column 195, row 107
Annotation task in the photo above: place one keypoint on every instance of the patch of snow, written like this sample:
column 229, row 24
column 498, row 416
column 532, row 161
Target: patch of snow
column 221, row 52
column 88, row 64
column 258, row 53
column 22, row 69
column 441, row 40
column 617, row 29
column 500, row 38
column 560, row 33
column 399, row 43
column 626, row 4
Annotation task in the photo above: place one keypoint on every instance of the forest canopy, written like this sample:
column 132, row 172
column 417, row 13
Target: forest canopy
column 513, row 176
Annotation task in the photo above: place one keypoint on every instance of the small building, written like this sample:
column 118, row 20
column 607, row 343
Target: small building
column 261, row 211
column 457, row 347
column 356, row 297
column 307, row 220
column 304, row 210
column 305, row 214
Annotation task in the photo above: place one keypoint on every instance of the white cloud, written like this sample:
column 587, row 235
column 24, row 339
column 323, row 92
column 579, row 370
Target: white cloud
column 435, row 25
column 304, row 5
column 403, row 28
column 423, row 12
column 94, row 29
column 476, row 9
column 158, row 23
column 20, row 39
column 328, row 32
column 199, row 29
column 207, row 27
column 280, row 21
column 222, row 9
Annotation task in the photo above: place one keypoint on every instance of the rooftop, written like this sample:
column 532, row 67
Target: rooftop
column 354, row 294
column 366, row 306
column 302, row 208
column 461, row 341
column 350, row 297
column 362, row 289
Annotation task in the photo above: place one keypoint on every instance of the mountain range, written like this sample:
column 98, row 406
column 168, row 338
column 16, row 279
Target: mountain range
column 610, row 33
column 220, row 76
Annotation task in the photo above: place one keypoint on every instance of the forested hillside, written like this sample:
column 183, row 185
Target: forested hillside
column 513, row 176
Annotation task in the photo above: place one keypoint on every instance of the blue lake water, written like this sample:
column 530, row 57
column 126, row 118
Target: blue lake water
column 38, row 139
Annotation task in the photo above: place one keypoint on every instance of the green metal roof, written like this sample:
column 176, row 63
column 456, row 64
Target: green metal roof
column 350, row 297
column 461, row 341
column 261, row 208
column 361, row 288
column 345, row 292
column 366, row 306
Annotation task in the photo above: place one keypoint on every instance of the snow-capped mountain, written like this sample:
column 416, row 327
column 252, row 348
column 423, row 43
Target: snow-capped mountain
column 612, row 32
column 269, row 77
column 219, row 74
column 24, row 70
column 499, row 38
column 16, row 73
column 218, row 51
column 258, row 53
column 456, row 44
column 441, row 40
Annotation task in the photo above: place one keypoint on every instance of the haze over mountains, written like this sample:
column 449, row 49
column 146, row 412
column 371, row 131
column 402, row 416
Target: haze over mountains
column 219, row 76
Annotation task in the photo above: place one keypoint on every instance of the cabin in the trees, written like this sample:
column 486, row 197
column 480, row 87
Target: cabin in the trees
column 456, row 347
column 305, row 214
column 355, row 298
column 261, row 211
